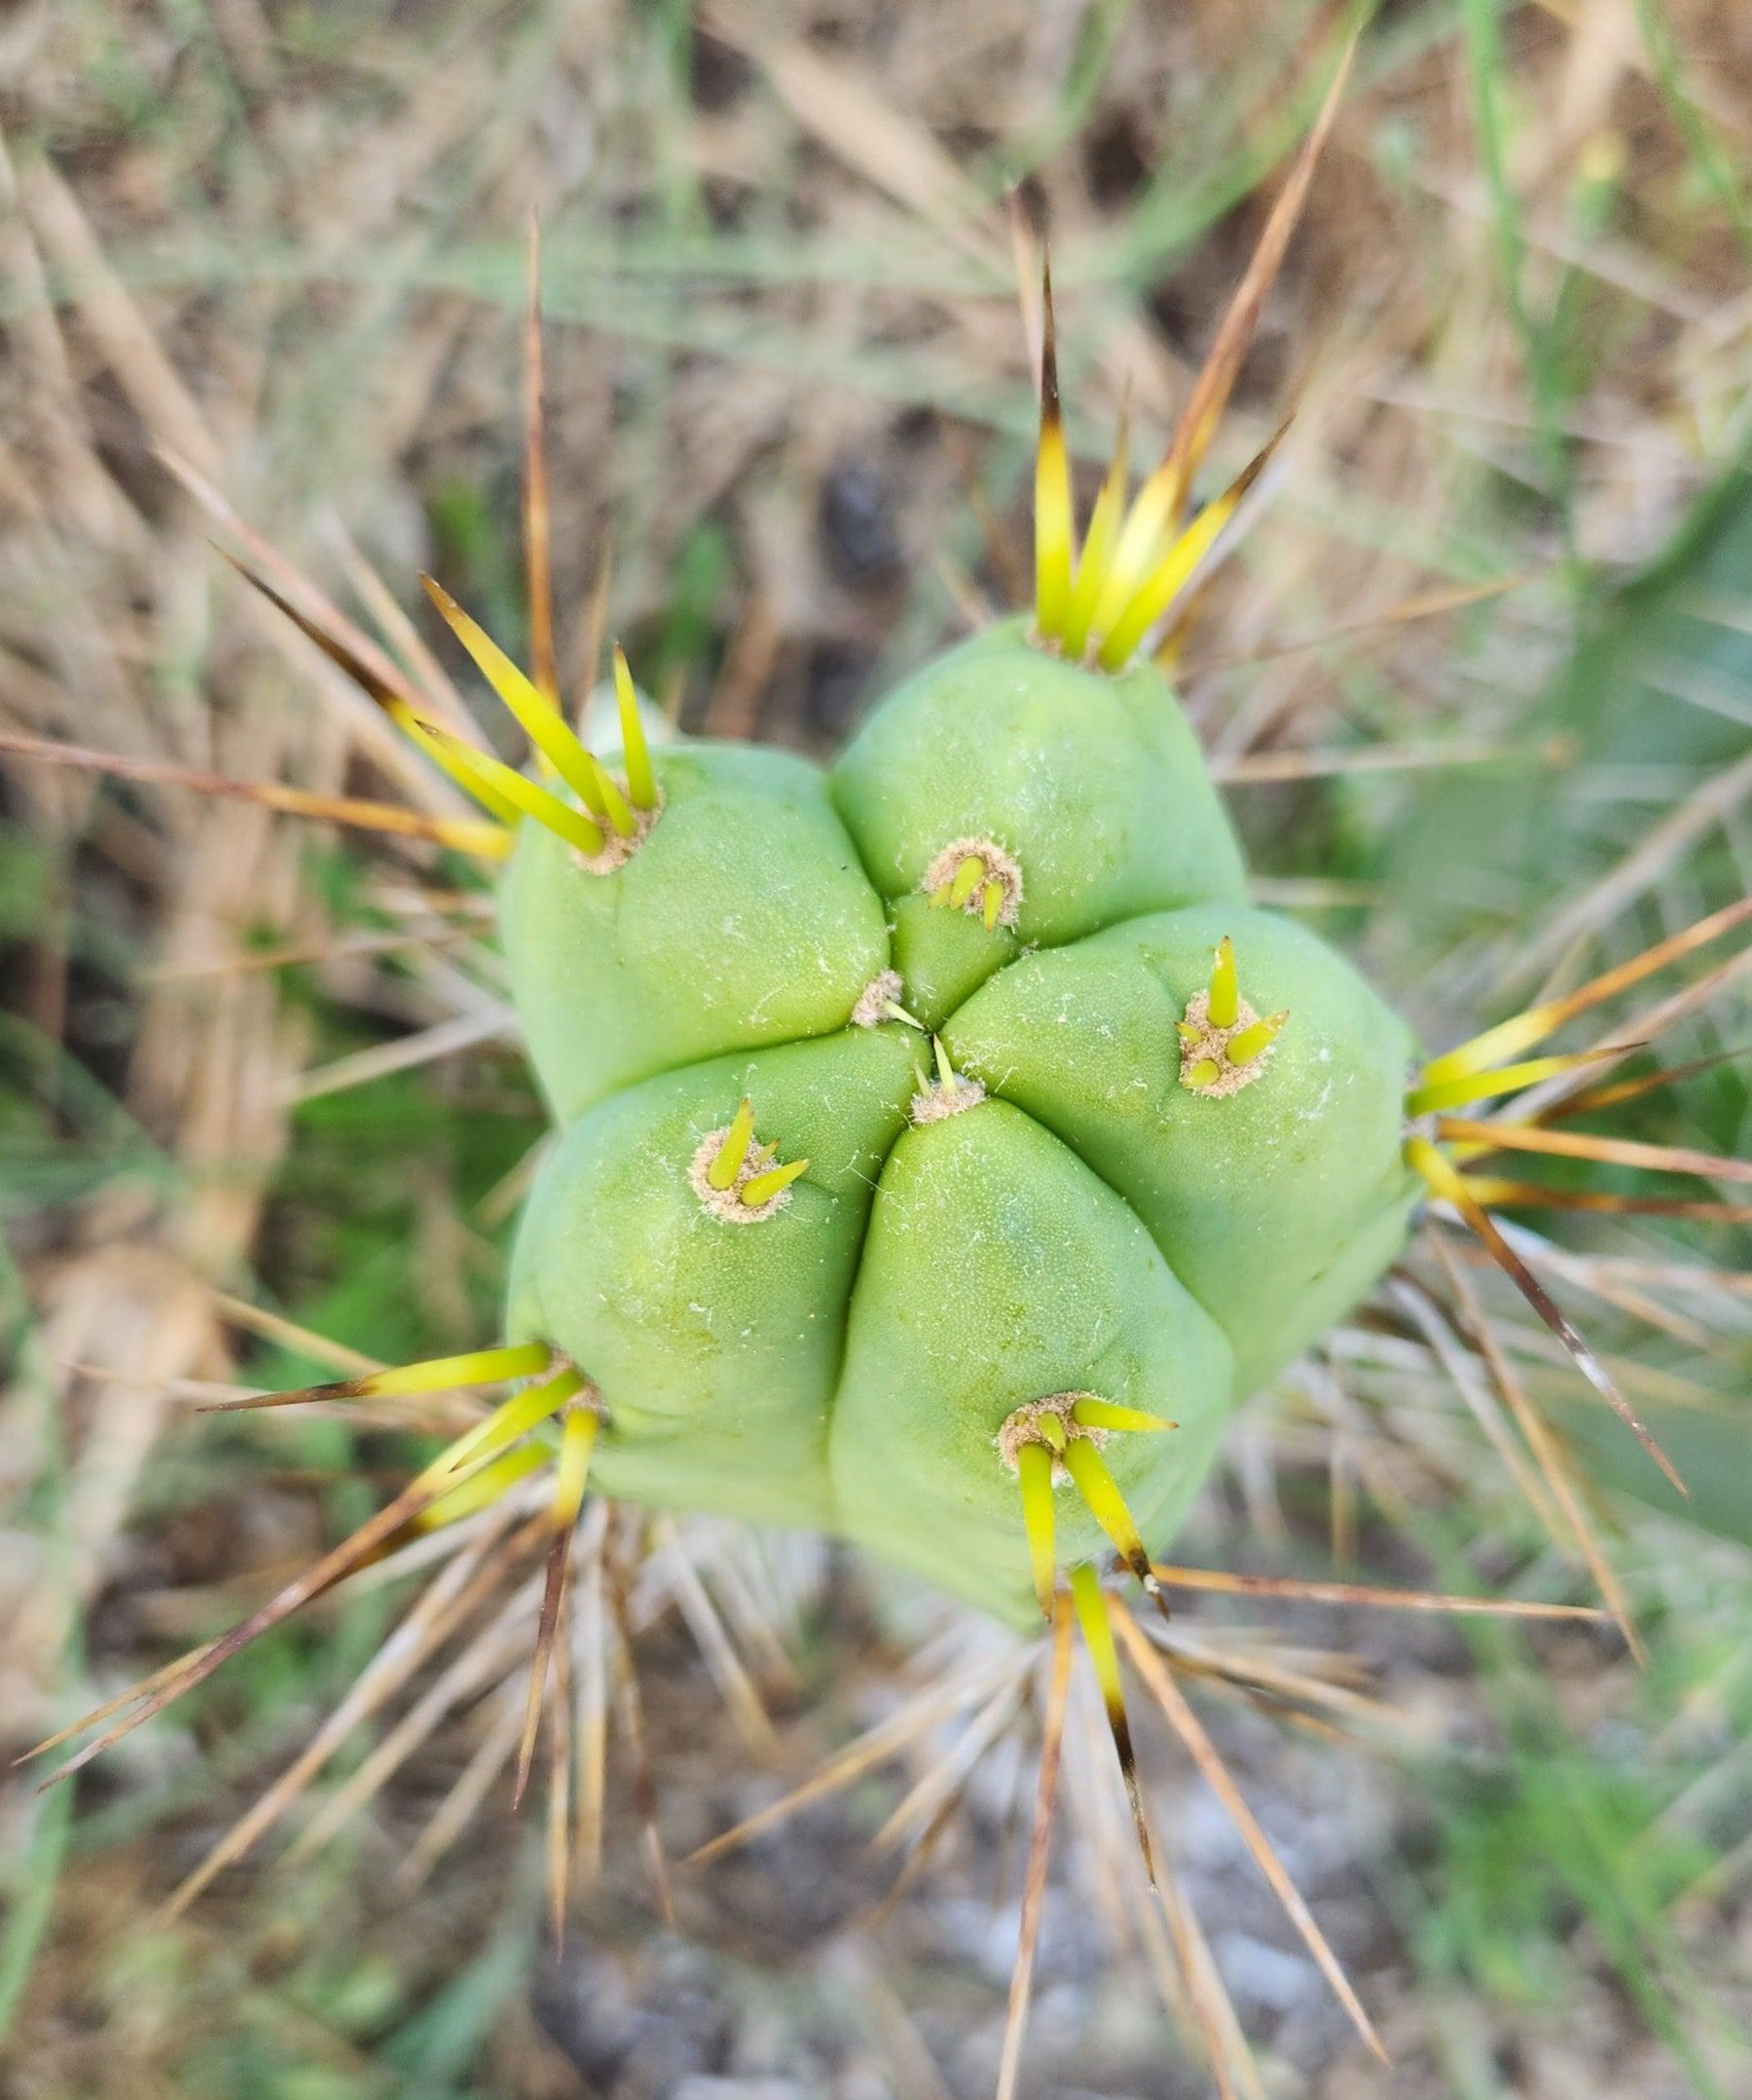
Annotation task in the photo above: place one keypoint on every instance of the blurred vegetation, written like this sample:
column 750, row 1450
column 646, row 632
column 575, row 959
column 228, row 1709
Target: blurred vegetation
column 788, row 387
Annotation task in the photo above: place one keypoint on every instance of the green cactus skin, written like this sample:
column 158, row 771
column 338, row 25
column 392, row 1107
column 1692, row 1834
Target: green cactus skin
column 742, row 918
column 715, row 1345
column 1095, row 785
column 1278, row 1207
column 1000, row 1270
column 1084, row 1219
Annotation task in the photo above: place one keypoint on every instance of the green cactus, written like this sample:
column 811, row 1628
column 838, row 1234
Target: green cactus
column 980, row 1304
column 946, row 1149
column 1084, row 1202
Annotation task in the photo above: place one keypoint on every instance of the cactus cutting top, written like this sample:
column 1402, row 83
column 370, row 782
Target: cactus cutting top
column 820, row 1271
column 944, row 1145
column 823, row 1271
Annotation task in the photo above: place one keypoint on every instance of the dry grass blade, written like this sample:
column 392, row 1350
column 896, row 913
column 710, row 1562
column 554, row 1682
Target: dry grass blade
column 463, row 1804
column 1040, row 1849
column 1702, row 1277
column 1712, row 803
column 590, row 1722
column 1601, row 1282
column 594, row 628
column 921, row 1855
column 846, row 112
column 292, row 1336
column 1001, row 551
column 1406, row 757
column 870, row 1748
column 760, row 1622
column 1423, row 606
column 482, row 1663
column 1455, row 1359
column 941, row 1784
column 1025, row 259
column 1352, row 1593
column 538, row 558
column 713, row 1638
column 307, row 954
column 469, row 1455
column 1213, row 2009
column 406, row 1054
column 1588, row 1145
column 1159, row 1679
column 571, row 1475
column 129, row 344
column 558, row 1829
column 1287, row 1682
column 1172, row 1942
column 1452, row 1188
column 490, row 841
column 1216, row 381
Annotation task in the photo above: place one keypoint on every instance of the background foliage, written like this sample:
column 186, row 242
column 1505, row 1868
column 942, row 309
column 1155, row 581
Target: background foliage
column 284, row 243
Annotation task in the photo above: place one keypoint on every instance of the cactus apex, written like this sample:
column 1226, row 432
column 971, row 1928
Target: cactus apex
column 946, row 1096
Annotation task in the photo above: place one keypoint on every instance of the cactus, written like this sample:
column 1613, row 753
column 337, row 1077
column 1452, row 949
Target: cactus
column 944, row 1147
